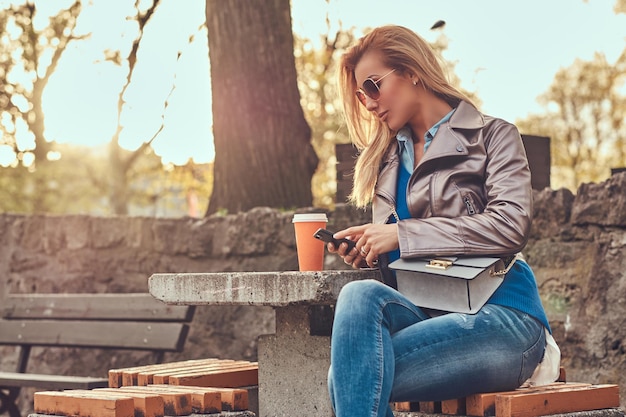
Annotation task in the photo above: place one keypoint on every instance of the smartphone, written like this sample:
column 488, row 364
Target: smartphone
column 326, row 236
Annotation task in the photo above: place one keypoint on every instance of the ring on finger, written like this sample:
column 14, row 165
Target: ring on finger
column 363, row 252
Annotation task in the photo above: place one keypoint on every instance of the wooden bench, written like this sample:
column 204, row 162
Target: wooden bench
column 103, row 321
column 561, row 397
column 570, row 398
column 213, row 387
column 143, row 401
column 212, row 372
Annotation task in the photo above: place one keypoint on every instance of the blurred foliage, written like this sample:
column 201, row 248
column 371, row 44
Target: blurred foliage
column 123, row 164
column 77, row 184
column 28, row 57
column 585, row 119
column 315, row 67
column 38, row 175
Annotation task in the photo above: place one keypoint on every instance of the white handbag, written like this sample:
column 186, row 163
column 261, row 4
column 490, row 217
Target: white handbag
column 457, row 284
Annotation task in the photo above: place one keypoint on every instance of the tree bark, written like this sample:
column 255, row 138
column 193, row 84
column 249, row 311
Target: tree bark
column 263, row 151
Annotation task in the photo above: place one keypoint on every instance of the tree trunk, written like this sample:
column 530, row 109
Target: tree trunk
column 263, row 151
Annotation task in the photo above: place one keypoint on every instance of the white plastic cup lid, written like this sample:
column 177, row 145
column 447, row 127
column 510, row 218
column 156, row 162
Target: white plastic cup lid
column 310, row 217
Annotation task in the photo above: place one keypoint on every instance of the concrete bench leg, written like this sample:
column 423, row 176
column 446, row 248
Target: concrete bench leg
column 293, row 367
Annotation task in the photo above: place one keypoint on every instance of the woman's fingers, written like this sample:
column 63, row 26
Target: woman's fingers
column 352, row 233
column 371, row 240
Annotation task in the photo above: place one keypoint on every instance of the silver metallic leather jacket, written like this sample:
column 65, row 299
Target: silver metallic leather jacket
column 470, row 194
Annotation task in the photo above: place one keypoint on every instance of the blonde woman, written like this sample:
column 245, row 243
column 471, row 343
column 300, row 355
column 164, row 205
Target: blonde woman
column 442, row 179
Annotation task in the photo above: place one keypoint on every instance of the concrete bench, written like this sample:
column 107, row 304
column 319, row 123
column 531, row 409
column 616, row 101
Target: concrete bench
column 103, row 321
column 293, row 362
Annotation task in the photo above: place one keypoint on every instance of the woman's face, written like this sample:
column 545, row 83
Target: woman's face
column 394, row 105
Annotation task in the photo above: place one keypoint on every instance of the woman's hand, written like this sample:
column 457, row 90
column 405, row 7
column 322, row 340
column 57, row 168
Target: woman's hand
column 371, row 240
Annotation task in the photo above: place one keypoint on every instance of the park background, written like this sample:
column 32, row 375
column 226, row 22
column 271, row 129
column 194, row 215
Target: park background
column 107, row 106
column 116, row 116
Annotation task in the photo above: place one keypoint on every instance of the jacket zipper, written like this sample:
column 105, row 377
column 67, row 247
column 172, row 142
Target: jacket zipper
column 470, row 206
column 395, row 214
column 391, row 205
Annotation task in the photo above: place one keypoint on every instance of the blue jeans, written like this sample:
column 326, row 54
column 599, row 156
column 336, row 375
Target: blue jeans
column 385, row 349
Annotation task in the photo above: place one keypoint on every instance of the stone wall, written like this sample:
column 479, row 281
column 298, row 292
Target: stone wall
column 577, row 249
column 578, row 252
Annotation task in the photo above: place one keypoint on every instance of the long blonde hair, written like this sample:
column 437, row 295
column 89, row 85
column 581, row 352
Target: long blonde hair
column 406, row 52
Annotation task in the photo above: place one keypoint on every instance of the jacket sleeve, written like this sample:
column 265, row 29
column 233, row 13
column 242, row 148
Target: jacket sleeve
column 502, row 228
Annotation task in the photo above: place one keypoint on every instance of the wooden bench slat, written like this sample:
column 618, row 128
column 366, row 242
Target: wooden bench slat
column 484, row 404
column 145, row 404
column 143, row 373
column 430, row 407
column 537, row 403
column 233, row 399
column 161, row 375
column 219, row 367
column 455, row 407
column 122, row 335
column 201, row 402
column 16, row 379
column 148, row 401
column 405, row 406
column 146, row 376
column 124, row 306
column 231, row 378
column 175, row 403
column 92, row 405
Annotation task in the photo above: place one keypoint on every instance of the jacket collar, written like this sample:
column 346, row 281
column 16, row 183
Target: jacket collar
column 467, row 116
column 451, row 138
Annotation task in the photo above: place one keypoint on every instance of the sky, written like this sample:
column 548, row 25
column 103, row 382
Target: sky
column 80, row 103
column 506, row 51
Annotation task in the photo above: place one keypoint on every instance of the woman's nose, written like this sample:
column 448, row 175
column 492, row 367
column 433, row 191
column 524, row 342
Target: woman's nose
column 370, row 103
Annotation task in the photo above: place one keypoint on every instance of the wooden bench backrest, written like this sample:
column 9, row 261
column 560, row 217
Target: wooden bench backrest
column 121, row 321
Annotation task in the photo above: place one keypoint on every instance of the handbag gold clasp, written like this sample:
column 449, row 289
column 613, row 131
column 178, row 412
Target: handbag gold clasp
column 439, row 264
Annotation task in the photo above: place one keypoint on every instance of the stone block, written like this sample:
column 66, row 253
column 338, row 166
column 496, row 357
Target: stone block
column 602, row 204
column 552, row 210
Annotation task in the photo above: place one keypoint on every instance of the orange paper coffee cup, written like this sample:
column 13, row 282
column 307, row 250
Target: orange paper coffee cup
column 310, row 250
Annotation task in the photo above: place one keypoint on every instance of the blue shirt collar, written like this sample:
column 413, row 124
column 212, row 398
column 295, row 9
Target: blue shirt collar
column 405, row 141
column 430, row 134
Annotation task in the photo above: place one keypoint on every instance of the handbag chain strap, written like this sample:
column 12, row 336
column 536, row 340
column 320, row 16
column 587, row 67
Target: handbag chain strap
column 508, row 264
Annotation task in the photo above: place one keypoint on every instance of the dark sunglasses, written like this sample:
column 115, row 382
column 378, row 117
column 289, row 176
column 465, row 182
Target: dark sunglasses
column 371, row 89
